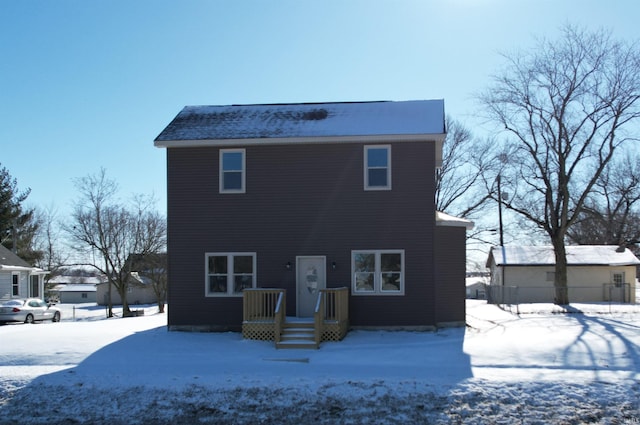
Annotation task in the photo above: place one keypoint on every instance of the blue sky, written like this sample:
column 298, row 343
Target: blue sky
column 86, row 84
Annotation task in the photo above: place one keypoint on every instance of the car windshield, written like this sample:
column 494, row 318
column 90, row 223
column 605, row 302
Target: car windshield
column 13, row 302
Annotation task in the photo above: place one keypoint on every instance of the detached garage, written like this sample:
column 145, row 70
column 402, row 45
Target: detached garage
column 595, row 273
column 76, row 294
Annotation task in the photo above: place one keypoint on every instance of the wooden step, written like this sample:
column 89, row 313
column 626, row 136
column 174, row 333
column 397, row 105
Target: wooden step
column 297, row 335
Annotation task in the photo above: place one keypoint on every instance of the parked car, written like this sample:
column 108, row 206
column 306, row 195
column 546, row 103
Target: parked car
column 28, row 311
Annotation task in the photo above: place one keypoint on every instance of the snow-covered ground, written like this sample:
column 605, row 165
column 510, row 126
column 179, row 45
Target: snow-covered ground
column 541, row 366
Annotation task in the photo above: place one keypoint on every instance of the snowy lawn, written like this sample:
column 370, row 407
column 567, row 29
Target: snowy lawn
column 540, row 366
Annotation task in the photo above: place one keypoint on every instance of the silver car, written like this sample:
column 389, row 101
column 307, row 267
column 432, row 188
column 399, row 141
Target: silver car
column 28, row 311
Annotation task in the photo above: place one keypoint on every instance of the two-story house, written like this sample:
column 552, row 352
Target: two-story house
column 310, row 196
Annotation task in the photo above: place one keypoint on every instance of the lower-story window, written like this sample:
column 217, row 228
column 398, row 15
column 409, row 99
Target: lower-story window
column 377, row 272
column 228, row 274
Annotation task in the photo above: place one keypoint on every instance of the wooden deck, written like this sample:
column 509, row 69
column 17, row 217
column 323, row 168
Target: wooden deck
column 264, row 318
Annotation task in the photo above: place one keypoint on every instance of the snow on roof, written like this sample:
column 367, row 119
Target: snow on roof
column 77, row 280
column 576, row 255
column 279, row 122
column 77, row 288
column 443, row 219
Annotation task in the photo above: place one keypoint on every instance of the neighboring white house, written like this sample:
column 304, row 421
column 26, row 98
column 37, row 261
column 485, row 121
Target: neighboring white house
column 18, row 279
column 595, row 273
column 139, row 291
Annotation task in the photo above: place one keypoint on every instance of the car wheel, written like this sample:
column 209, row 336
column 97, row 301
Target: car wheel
column 56, row 317
column 29, row 318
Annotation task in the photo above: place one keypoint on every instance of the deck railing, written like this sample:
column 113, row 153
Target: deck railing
column 264, row 314
column 280, row 315
column 261, row 310
column 332, row 314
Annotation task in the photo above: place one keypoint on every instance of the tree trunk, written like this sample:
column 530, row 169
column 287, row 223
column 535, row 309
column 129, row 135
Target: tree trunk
column 122, row 291
column 560, row 279
column 161, row 307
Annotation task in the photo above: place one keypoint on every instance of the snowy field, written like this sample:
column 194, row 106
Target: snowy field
column 541, row 366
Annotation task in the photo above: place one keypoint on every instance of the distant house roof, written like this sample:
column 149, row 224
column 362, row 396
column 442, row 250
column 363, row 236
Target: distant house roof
column 580, row 255
column 77, row 288
column 77, row 280
column 286, row 123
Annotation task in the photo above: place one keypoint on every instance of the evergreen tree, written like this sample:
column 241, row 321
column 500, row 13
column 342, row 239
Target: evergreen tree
column 18, row 225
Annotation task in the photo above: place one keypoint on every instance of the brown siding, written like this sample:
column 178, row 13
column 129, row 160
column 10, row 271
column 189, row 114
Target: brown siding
column 300, row 200
column 450, row 274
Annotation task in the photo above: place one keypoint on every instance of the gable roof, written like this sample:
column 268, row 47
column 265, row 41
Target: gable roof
column 10, row 260
column 579, row 255
column 313, row 122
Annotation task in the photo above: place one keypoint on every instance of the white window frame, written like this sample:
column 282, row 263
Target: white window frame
column 378, row 290
column 15, row 284
column 366, row 167
column 243, row 171
column 230, row 275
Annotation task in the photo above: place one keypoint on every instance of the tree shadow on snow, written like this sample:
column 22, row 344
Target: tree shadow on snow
column 603, row 345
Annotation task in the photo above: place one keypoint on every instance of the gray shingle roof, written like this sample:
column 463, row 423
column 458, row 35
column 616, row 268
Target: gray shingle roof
column 8, row 258
column 304, row 120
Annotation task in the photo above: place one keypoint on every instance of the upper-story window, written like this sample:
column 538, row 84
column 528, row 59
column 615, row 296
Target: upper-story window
column 377, row 167
column 232, row 171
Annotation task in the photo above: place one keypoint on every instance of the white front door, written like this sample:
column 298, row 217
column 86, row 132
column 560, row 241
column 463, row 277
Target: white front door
column 310, row 278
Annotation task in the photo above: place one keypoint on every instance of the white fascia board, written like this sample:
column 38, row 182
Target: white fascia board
column 438, row 138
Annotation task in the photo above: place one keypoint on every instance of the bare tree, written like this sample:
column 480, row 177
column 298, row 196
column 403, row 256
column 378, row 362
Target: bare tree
column 102, row 225
column 460, row 176
column 611, row 212
column 47, row 241
column 461, row 186
column 565, row 107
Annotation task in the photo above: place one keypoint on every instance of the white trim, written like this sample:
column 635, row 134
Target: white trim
column 243, row 171
column 377, row 273
column 438, row 138
column 230, row 256
column 366, row 167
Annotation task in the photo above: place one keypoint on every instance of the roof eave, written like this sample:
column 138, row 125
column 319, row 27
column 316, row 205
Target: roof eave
column 435, row 137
